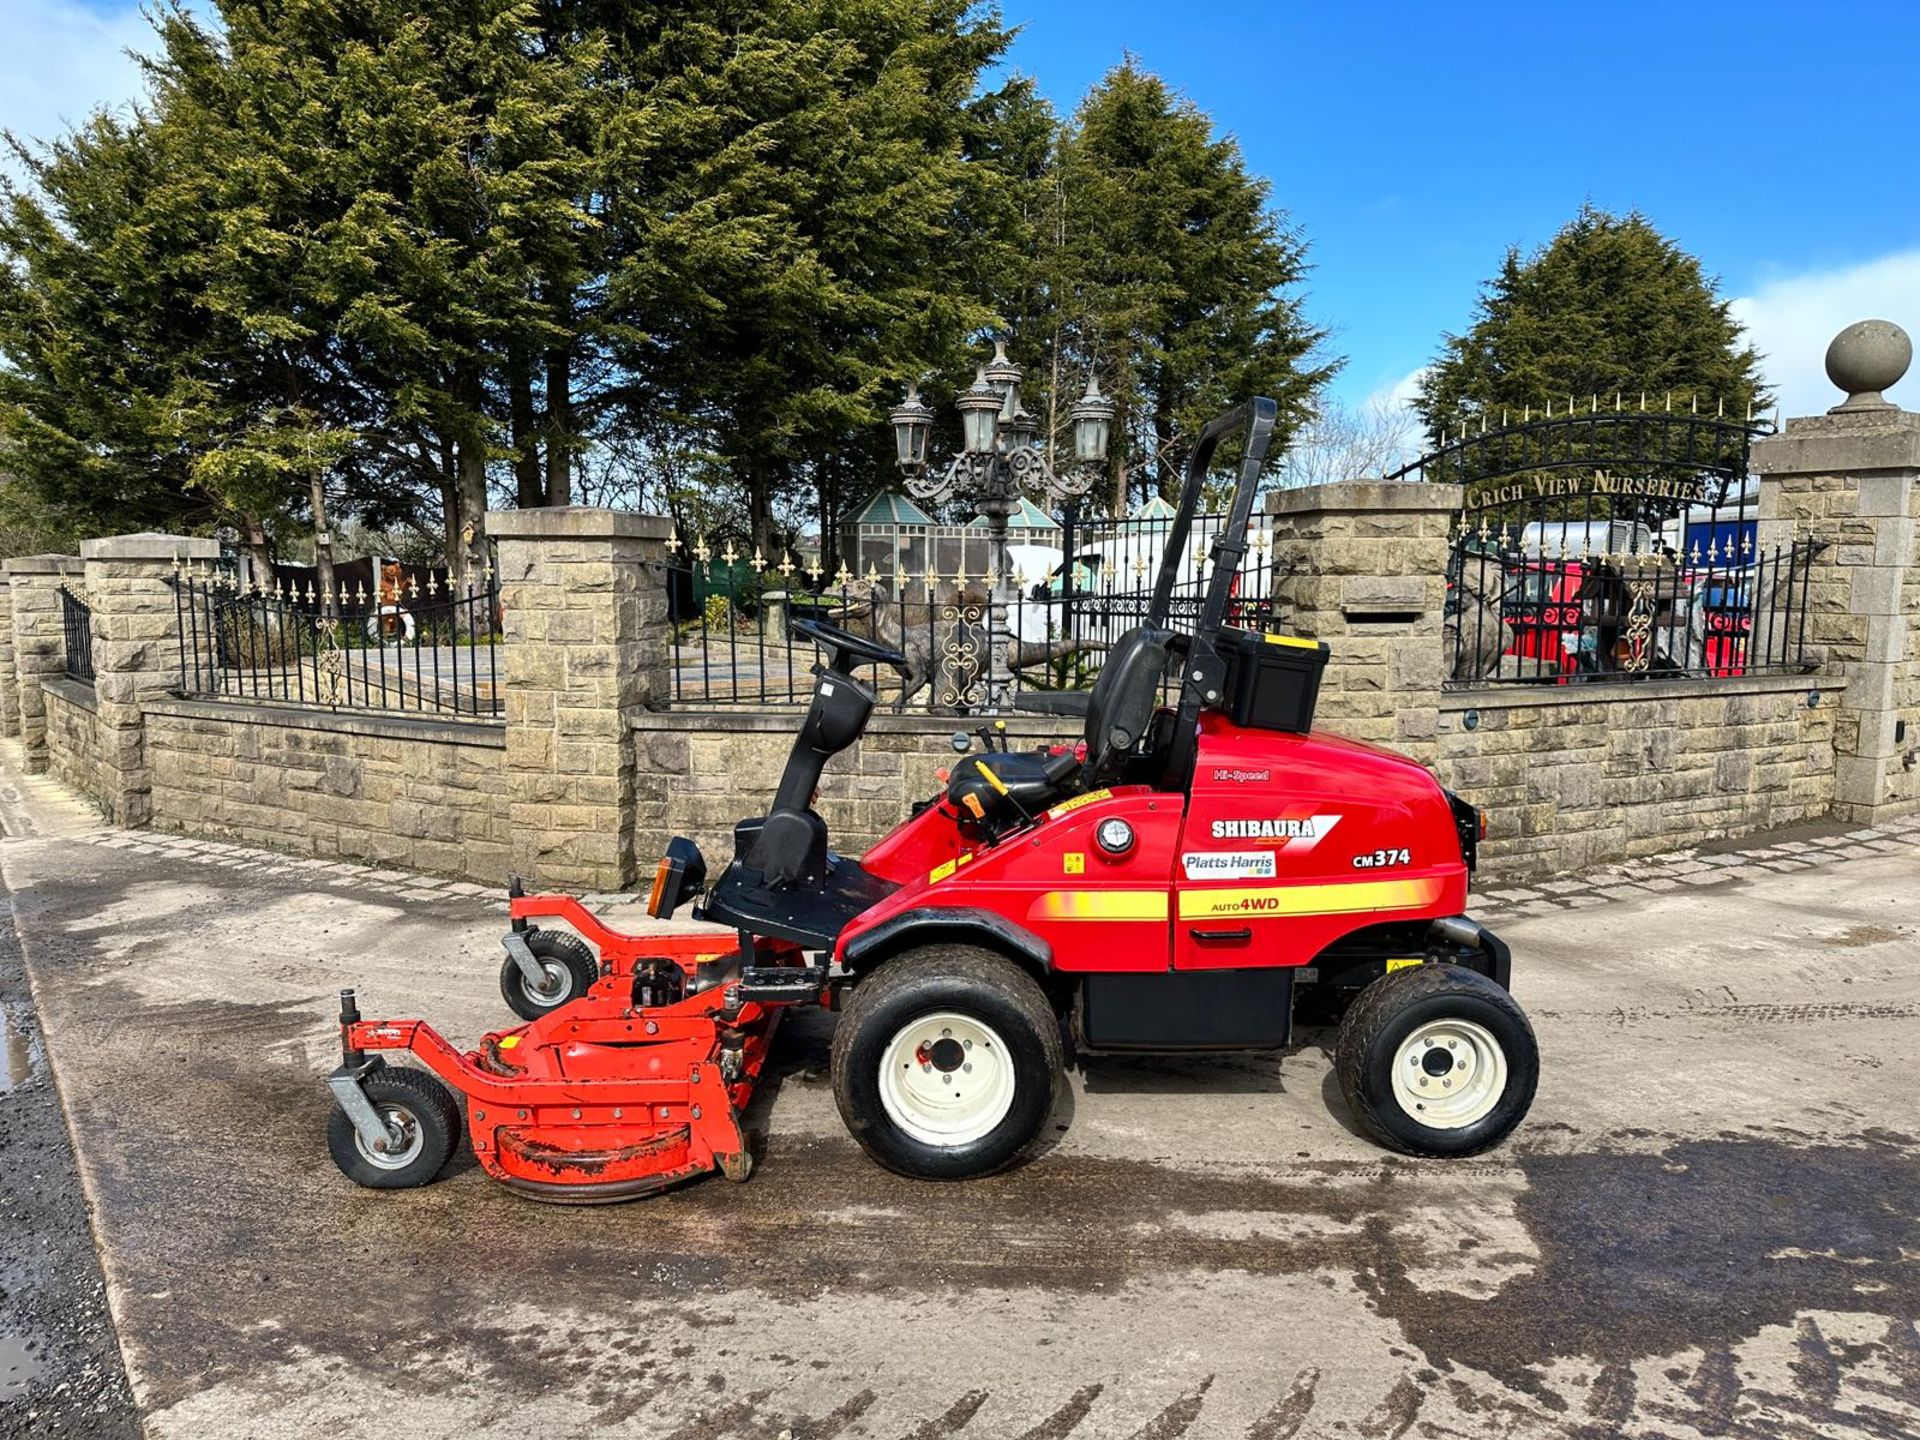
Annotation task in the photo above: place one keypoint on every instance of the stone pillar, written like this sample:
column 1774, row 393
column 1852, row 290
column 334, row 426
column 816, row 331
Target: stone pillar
column 1850, row 480
column 585, row 601
column 1362, row 565
column 39, row 641
column 9, row 677
column 136, row 653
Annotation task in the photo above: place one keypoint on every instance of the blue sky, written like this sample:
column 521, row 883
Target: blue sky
column 1414, row 142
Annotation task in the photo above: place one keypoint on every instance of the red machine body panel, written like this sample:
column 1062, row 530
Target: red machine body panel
column 1289, row 843
column 1293, row 841
column 1096, row 911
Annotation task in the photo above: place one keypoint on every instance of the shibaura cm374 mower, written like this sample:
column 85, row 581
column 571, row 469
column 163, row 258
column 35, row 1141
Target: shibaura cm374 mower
column 1177, row 887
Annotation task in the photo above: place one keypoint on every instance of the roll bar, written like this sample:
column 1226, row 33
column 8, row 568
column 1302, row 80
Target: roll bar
column 1258, row 415
column 1202, row 670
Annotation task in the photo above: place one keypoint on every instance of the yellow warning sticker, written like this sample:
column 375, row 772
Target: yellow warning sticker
column 941, row 872
column 1402, row 963
column 1074, row 862
column 507, row 1042
column 1074, row 804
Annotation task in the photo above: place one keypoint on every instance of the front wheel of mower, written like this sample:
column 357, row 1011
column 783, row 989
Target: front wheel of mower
column 947, row 1063
column 568, row 969
column 415, row 1106
column 1437, row 1060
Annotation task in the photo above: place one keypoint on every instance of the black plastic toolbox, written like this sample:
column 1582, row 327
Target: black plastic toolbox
column 1273, row 681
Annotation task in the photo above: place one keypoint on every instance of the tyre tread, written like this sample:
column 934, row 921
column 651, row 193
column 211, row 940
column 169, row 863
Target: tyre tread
column 1377, row 1006
column 972, row 965
column 581, row 964
column 429, row 1097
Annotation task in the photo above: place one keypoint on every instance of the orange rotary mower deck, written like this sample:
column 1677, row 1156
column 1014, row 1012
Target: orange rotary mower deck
column 606, row 1099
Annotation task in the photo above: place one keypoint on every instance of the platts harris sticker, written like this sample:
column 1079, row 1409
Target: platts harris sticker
column 1228, row 864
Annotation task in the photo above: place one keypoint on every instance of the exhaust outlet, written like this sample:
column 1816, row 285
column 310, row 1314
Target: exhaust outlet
column 1459, row 930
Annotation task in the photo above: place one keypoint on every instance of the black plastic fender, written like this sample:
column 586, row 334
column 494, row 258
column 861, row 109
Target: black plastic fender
column 956, row 922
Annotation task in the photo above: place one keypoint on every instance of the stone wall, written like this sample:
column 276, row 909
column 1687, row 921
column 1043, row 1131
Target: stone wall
column 72, row 735
column 415, row 794
column 697, row 774
column 1362, row 566
column 584, row 597
column 1850, row 481
column 39, row 641
column 9, row 687
column 1576, row 776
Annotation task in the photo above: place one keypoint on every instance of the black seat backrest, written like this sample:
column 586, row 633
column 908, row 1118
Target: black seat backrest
column 1125, row 695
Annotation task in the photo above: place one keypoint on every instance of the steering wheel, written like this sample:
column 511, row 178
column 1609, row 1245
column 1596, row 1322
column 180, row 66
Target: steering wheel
column 841, row 642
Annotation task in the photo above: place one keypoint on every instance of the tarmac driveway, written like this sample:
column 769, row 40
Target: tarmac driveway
column 1710, row 1225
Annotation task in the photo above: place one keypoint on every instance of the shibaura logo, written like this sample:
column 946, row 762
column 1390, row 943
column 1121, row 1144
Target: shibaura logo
column 1291, row 832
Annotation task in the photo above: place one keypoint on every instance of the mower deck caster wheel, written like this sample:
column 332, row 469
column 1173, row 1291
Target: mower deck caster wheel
column 418, row 1110
column 947, row 1062
column 568, row 968
column 1437, row 1060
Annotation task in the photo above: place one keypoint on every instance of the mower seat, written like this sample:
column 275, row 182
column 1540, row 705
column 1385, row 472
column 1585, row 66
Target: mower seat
column 1006, row 787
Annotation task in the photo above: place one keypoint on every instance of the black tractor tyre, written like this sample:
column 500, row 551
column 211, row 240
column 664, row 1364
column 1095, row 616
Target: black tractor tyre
column 427, row 1115
column 986, row 990
column 1440, row 1003
column 569, row 963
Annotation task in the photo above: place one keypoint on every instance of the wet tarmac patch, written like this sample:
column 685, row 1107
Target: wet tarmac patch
column 1702, row 1246
column 21, row 1364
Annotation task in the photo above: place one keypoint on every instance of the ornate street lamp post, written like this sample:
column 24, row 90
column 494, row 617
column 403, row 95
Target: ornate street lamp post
column 999, row 458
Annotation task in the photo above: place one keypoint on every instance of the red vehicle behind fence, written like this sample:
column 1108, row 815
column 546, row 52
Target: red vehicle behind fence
column 1549, row 607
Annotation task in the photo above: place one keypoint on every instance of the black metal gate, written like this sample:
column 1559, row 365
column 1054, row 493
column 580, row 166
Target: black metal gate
column 1613, row 544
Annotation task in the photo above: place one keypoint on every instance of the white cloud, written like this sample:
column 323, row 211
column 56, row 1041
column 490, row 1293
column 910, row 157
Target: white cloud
column 63, row 60
column 1399, row 395
column 1791, row 319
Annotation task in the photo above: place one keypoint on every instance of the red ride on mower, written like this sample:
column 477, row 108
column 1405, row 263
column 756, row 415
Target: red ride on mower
column 1203, row 867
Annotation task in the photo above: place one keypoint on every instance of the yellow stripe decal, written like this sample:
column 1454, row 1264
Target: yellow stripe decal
column 1099, row 905
column 1337, row 899
column 1294, row 640
column 1074, row 804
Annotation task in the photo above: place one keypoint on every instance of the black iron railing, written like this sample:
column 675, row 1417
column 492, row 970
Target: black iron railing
column 1521, row 615
column 76, row 623
column 407, row 647
column 731, row 644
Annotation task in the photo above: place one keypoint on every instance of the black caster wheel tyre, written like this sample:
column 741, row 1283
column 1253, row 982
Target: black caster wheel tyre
column 570, row 968
column 947, row 1063
column 1437, row 1060
column 423, row 1112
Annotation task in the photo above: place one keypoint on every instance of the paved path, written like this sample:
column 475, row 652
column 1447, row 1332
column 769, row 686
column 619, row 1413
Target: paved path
column 1707, row 1228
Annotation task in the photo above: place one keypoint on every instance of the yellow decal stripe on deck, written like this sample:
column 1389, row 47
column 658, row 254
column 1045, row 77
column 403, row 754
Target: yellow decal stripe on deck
column 1099, row 905
column 1336, row 899
column 1074, row 804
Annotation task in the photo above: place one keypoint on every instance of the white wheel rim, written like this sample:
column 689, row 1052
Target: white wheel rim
column 1447, row 1074
column 946, row 1079
column 397, row 1118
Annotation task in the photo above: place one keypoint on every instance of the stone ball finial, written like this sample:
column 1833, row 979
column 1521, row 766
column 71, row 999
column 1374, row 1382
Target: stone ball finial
column 1865, row 358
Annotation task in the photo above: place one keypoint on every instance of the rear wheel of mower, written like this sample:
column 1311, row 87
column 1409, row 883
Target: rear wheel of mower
column 1437, row 1060
column 420, row 1110
column 566, row 962
column 947, row 1062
